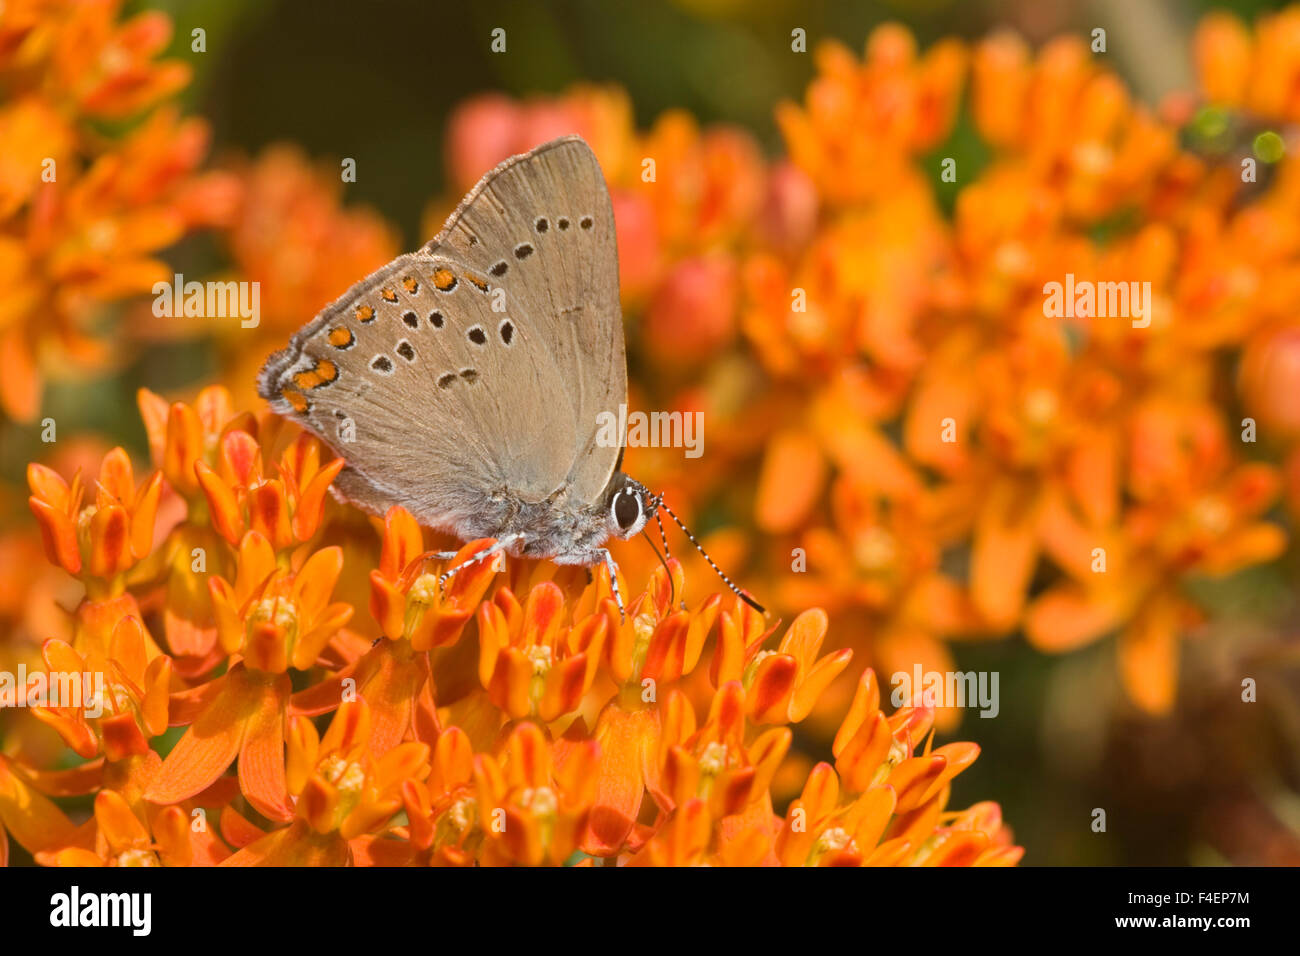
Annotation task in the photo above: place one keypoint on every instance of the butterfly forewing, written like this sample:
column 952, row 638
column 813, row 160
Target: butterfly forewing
column 542, row 225
column 474, row 371
column 437, row 401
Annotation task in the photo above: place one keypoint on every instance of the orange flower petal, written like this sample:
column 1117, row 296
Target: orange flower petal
column 58, row 534
column 626, row 740
column 261, row 754
column 210, row 745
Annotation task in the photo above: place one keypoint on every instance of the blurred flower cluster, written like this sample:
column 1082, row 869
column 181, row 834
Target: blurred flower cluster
column 88, row 203
column 898, row 432
column 341, row 707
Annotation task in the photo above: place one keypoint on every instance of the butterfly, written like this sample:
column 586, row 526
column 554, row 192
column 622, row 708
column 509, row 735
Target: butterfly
column 465, row 381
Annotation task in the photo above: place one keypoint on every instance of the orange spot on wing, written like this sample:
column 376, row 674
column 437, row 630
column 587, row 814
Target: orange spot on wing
column 365, row 313
column 443, row 279
column 341, row 337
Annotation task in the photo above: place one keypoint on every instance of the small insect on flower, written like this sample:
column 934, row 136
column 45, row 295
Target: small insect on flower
column 480, row 427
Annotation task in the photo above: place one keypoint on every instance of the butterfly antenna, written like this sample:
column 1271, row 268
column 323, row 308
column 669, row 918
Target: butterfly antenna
column 716, row 570
column 672, row 585
column 660, row 522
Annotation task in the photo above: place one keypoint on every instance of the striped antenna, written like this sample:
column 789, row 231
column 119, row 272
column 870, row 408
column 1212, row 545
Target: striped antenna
column 660, row 521
column 718, row 571
column 672, row 585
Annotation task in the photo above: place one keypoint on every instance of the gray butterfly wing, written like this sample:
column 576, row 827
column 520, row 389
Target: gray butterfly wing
column 542, row 224
column 437, row 402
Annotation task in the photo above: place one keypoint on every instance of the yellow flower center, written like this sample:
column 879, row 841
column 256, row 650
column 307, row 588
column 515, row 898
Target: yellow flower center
column 1092, row 158
column 541, row 657
column 102, row 235
column 83, row 527
column 643, row 628
column 833, row 838
column 348, row 778
column 1212, row 515
column 714, row 759
column 540, row 800
column 1040, row 406
column 344, row 774
column 114, row 697
column 875, row 549
column 137, row 858
column 425, row 589
column 898, row 752
column 1011, row 258
column 461, row 813
column 279, row 611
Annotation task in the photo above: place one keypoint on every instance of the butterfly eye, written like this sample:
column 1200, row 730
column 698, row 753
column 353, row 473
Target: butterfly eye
column 626, row 509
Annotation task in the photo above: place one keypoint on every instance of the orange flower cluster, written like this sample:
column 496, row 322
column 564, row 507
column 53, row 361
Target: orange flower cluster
column 938, row 454
column 83, row 215
column 510, row 717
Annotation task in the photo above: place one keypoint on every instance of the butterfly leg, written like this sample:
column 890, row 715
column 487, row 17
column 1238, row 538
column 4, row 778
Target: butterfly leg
column 613, row 579
column 501, row 545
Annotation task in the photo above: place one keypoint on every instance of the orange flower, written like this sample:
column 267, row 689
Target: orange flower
column 538, row 790
column 291, row 234
column 241, row 715
column 1253, row 73
column 780, row 686
column 105, row 538
column 181, row 435
column 35, row 821
column 275, row 620
column 530, row 663
column 1069, row 122
column 713, row 763
column 654, row 642
column 409, row 603
column 1197, row 514
column 84, row 212
column 882, row 806
column 443, row 810
column 133, row 699
column 874, row 115
column 707, row 185
column 121, row 839
column 285, row 510
column 533, row 802
column 342, row 791
column 108, row 67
